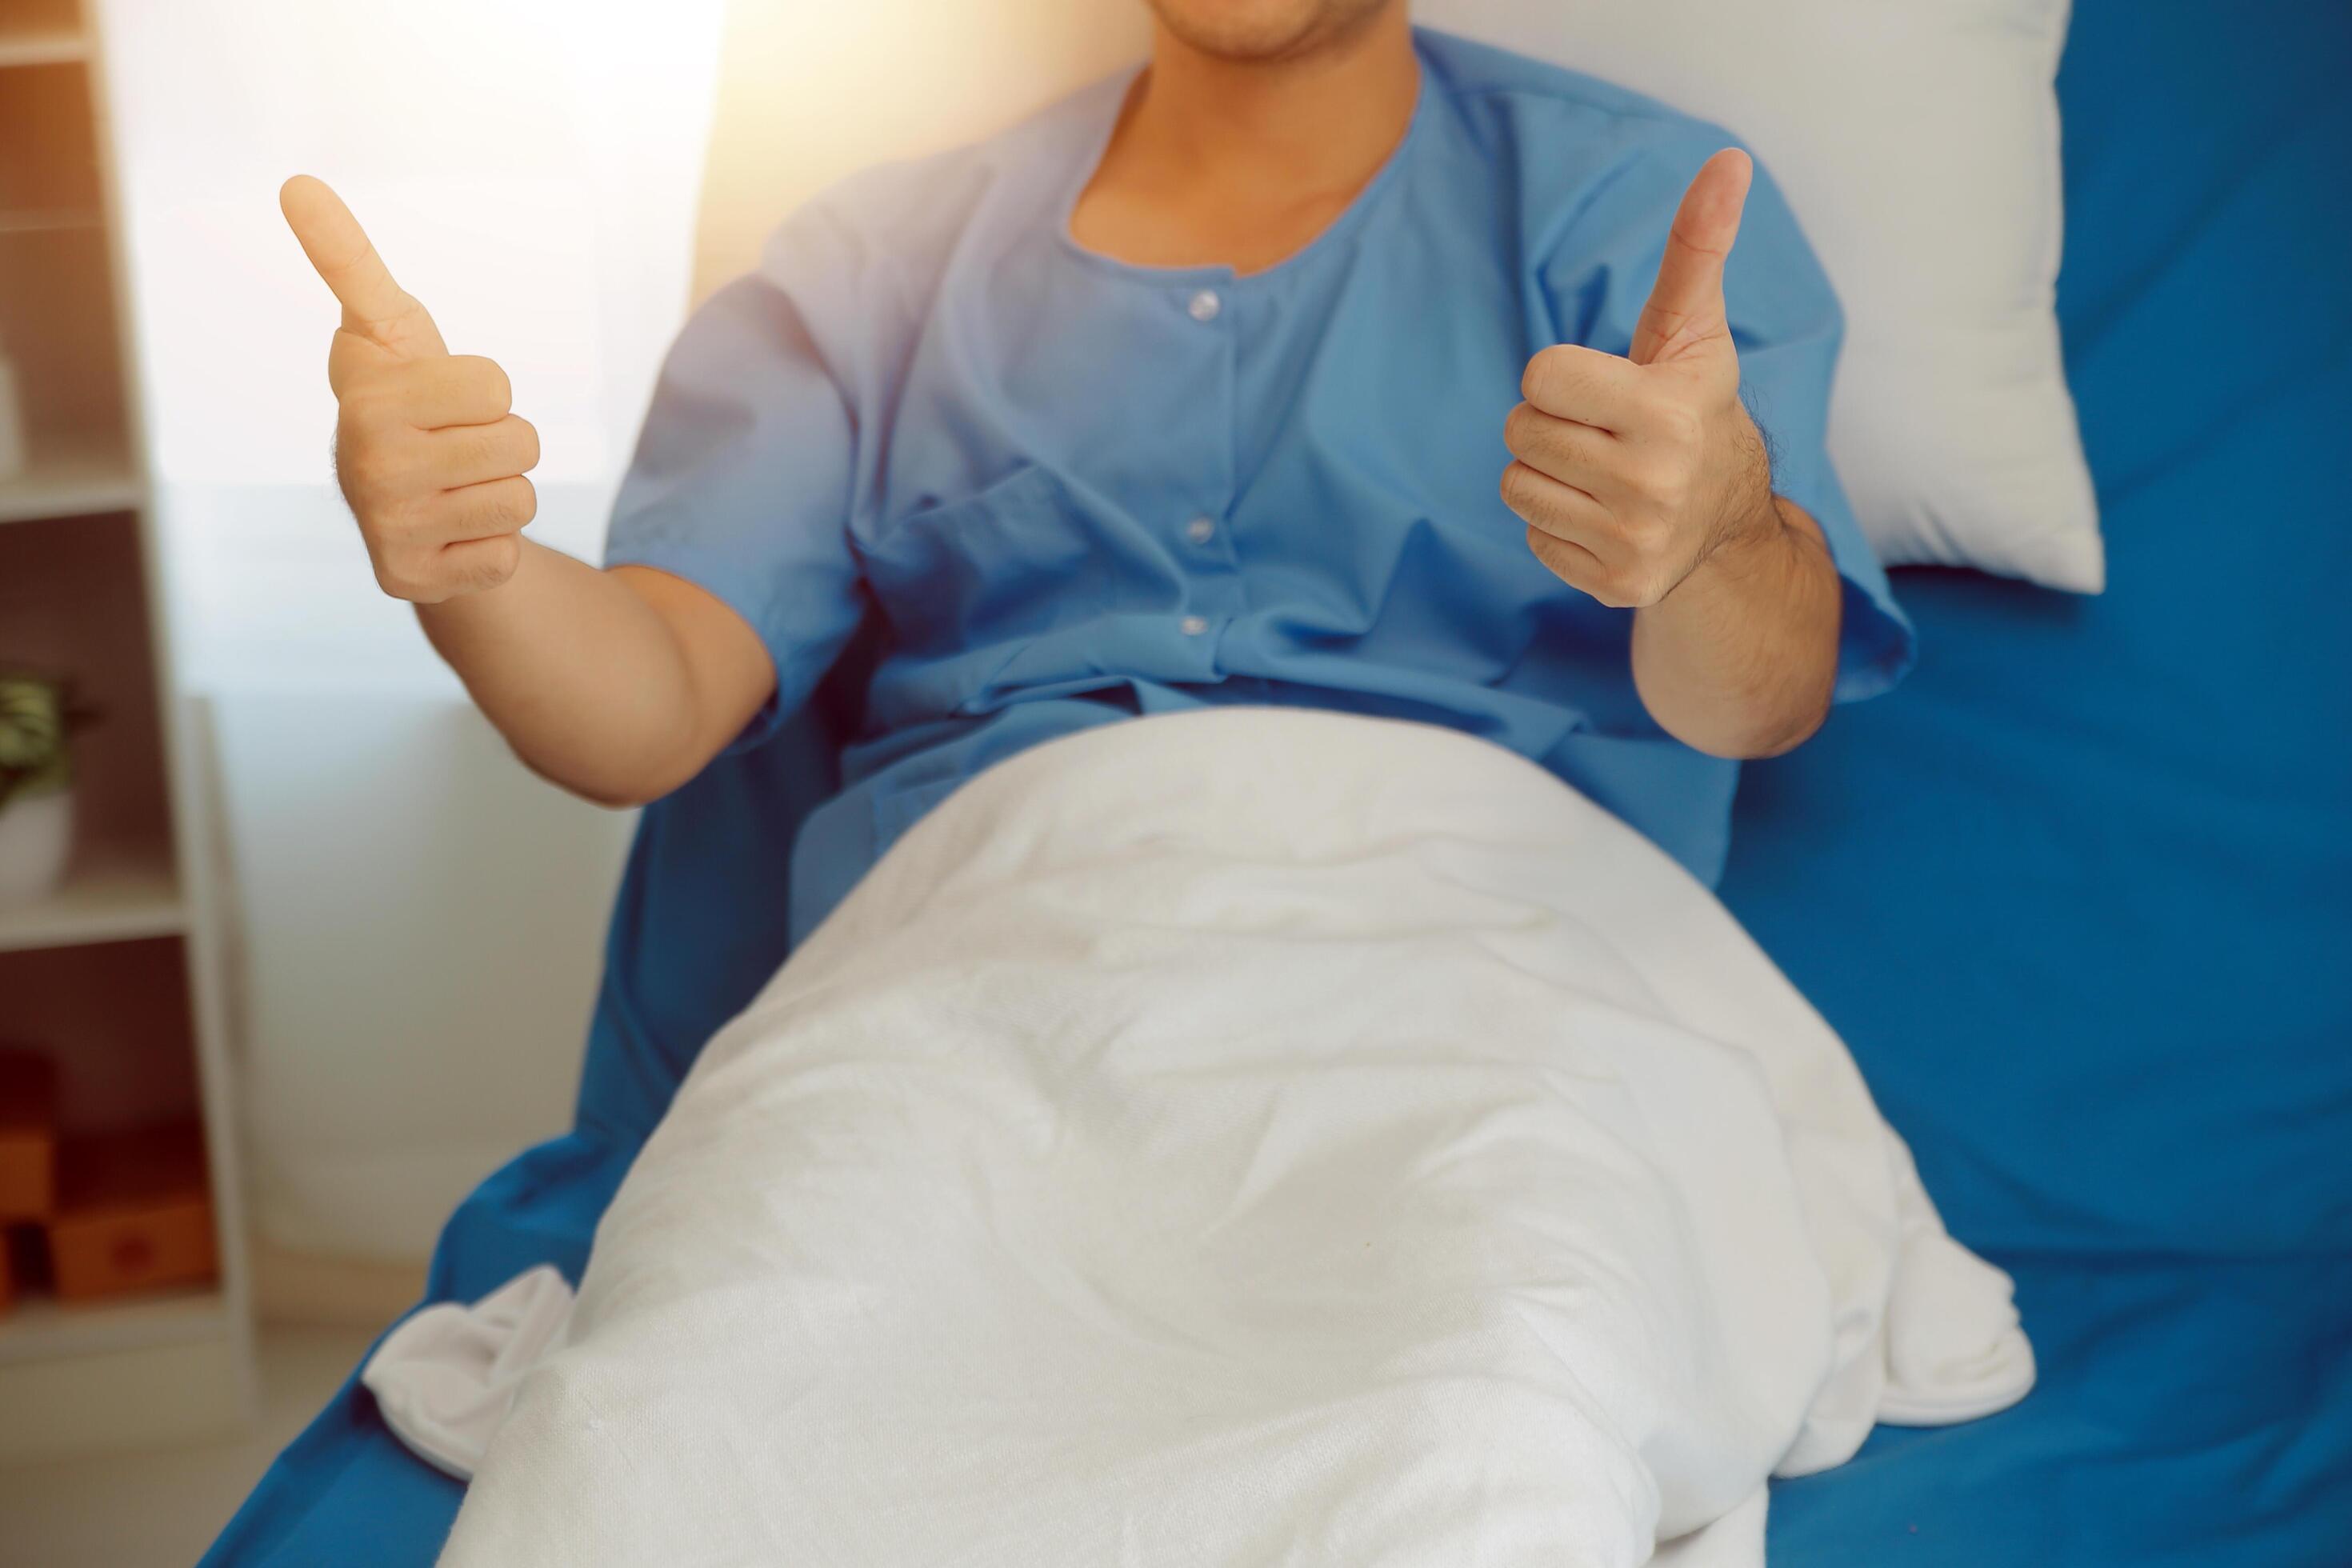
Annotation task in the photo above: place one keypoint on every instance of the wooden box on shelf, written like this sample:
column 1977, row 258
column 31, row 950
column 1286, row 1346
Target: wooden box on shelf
column 133, row 1215
column 28, row 1137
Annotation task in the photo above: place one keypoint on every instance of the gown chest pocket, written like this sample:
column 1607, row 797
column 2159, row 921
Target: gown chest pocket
column 1017, row 560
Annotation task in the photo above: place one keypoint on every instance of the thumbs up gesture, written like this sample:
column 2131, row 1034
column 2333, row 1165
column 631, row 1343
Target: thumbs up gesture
column 1632, row 471
column 429, row 456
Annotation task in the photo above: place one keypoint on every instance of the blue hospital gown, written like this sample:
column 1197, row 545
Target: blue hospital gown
column 1070, row 490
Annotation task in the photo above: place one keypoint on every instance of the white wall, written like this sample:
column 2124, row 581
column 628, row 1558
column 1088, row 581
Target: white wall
column 419, row 930
column 419, row 918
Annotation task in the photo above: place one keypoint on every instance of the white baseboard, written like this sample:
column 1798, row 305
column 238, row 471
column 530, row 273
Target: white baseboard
column 313, row 1291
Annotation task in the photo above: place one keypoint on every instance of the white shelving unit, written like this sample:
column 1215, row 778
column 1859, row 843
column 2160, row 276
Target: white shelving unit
column 115, row 974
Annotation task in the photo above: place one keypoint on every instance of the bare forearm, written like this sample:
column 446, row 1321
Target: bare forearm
column 1741, row 659
column 583, row 674
column 617, row 685
column 1645, row 482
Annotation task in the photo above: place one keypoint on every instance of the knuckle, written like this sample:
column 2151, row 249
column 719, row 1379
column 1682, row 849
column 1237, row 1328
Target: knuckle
column 1567, row 562
column 1548, row 551
column 510, row 505
column 1516, row 427
column 416, row 571
column 401, row 582
column 527, row 435
column 1657, row 479
column 1531, row 379
column 494, row 561
column 489, row 379
column 1518, row 489
column 378, row 524
column 415, row 524
column 1543, row 375
column 1682, row 426
column 365, row 465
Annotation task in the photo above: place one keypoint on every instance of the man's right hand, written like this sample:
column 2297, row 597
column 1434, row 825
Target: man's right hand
column 429, row 456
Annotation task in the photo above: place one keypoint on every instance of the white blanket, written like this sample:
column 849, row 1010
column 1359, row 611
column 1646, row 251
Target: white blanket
column 1244, row 1138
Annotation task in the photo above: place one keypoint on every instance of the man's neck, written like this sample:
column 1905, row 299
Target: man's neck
column 1319, row 120
column 1243, row 161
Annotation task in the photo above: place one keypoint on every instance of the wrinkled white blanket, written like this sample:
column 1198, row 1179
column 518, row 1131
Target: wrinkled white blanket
column 1244, row 1138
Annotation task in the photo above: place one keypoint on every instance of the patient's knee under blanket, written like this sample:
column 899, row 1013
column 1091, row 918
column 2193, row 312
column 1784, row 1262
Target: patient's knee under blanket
column 1247, row 1137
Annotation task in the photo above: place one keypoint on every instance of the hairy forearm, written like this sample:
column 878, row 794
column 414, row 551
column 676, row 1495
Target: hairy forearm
column 1739, row 659
column 583, row 674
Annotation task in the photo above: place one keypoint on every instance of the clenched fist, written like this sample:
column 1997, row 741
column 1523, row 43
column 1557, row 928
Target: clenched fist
column 1631, row 472
column 429, row 457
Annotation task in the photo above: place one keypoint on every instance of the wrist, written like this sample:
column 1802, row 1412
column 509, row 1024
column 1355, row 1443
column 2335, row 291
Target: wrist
column 1754, row 518
column 1761, row 523
column 1757, row 539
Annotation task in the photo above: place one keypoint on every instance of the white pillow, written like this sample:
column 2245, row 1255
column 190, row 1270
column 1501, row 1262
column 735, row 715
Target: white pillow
column 1917, row 140
column 1918, row 144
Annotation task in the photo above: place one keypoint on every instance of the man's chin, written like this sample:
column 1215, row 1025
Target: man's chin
column 1259, row 31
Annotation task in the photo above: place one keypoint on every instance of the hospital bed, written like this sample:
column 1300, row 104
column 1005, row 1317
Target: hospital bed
column 2079, row 898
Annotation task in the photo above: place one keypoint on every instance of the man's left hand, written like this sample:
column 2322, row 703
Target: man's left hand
column 1631, row 473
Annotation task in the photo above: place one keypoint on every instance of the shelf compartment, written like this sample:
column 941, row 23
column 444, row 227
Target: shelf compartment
column 73, row 602
column 114, row 1016
column 58, row 330
column 48, row 140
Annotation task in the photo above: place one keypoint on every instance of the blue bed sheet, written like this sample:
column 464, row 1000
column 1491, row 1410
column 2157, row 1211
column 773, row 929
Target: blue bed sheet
column 2079, row 897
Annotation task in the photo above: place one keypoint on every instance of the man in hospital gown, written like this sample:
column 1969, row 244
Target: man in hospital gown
column 1193, row 389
